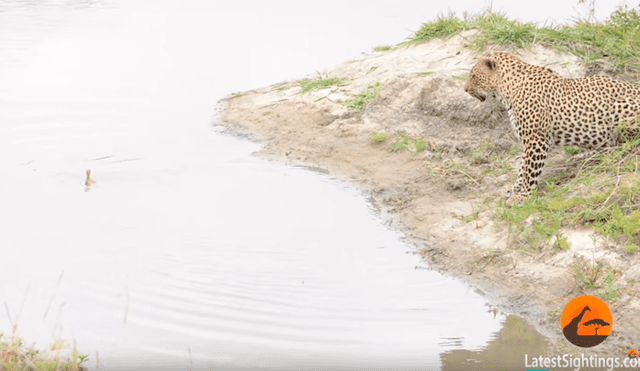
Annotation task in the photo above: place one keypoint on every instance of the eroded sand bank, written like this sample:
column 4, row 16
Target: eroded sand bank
column 428, row 194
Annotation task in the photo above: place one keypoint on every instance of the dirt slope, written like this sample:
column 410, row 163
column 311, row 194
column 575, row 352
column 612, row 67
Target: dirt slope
column 470, row 160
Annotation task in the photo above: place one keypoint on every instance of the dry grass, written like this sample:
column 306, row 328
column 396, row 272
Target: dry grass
column 15, row 356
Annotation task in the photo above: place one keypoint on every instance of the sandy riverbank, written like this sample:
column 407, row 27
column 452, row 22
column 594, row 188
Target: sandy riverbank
column 440, row 196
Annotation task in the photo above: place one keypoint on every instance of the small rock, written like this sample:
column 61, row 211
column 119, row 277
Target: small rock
column 455, row 184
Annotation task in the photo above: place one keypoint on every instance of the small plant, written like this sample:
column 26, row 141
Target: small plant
column 630, row 248
column 361, row 100
column 473, row 217
column 408, row 142
column 57, row 345
column 609, row 287
column 561, row 242
column 419, row 144
column 586, row 274
column 596, row 276
column 378, row 137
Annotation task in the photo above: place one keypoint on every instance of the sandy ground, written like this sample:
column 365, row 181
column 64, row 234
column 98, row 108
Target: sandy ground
column 428, row 193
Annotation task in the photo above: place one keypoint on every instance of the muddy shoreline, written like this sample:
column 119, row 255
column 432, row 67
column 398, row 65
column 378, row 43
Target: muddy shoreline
column 440, row 205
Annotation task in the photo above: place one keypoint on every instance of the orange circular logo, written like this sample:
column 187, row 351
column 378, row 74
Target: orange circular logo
column 586, row 321
column 632, row 353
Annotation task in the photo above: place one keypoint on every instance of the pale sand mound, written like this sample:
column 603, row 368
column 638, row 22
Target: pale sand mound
column 426, row 193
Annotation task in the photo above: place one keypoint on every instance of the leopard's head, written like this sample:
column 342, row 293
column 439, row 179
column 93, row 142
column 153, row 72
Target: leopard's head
column 483, row 79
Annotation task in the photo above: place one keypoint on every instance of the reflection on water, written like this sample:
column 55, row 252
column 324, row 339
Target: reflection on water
column 505, row 351
column 188, row 252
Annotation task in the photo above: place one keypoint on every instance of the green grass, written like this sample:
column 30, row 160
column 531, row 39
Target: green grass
column 361, row 100
column 630, row 248
column 571, row 150
column 308, row 85
column 14, row 356
column 408, row 142
column 561, row 242
column 618, row 37
column 596, row 276
column 600, row 191
column 283, row 87
column 498, row 169
column 441, row 28
column 499, row 29
column 603, row 194
column 378, row 137
column 384, row 48
column 609, row 287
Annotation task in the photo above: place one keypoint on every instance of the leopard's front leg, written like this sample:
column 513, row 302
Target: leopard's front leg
column 515, row 190
column 535, row 155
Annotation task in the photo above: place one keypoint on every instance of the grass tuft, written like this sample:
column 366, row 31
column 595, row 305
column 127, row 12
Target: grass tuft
column 408, row 142
column 383, row 48
column 378, row 137
column 441, row 28
column 596, row 276
column 308, row 85
column 15, row 356
column 361, row 100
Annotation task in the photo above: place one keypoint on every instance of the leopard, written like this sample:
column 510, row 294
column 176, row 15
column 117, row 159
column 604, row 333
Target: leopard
column 546, row 110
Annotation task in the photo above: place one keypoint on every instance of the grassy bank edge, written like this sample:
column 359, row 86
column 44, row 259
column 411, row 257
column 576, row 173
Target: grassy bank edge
column 616, row 39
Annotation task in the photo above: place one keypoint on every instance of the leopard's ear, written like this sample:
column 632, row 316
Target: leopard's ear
column 490, row 63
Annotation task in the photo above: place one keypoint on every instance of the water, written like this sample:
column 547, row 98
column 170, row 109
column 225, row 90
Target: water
column 189, row 253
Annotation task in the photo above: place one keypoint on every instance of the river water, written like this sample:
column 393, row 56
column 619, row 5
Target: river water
column 188, row 252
